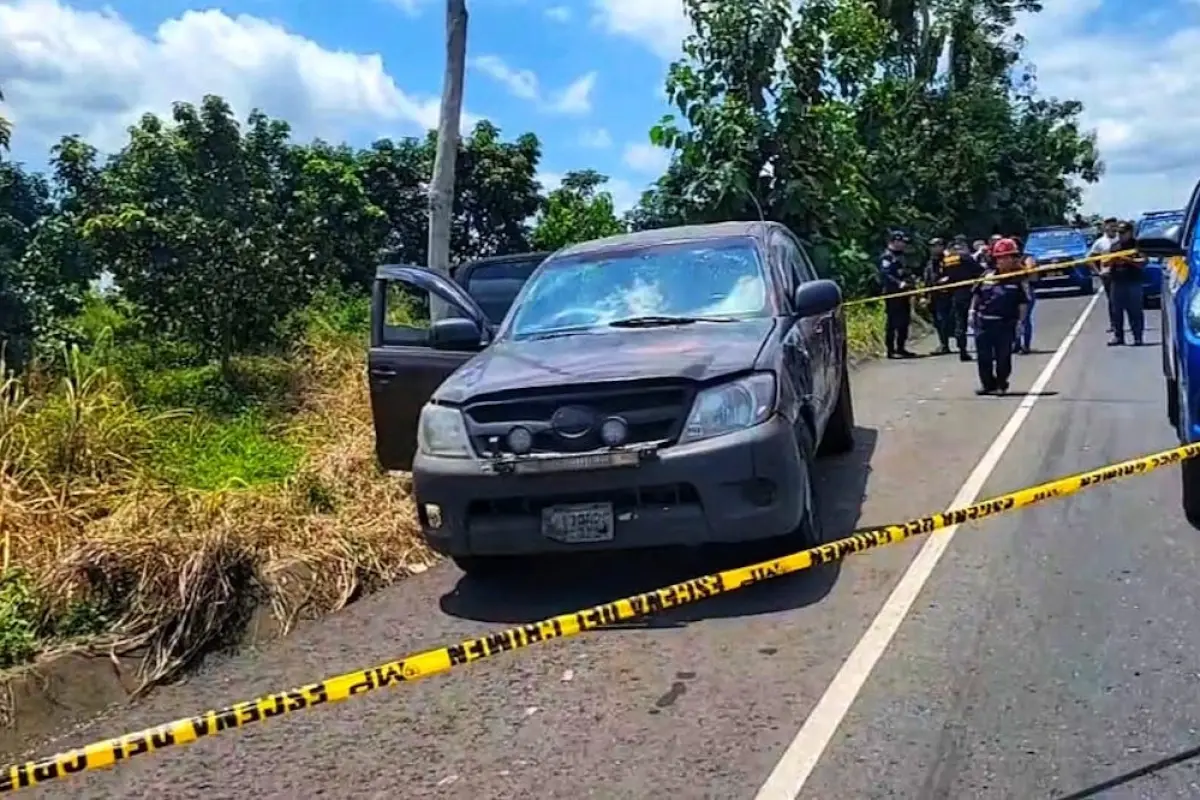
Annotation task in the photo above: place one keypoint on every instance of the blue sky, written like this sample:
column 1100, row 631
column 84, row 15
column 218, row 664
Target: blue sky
column 585, row 75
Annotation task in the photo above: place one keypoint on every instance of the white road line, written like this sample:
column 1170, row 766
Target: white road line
column 789, row 776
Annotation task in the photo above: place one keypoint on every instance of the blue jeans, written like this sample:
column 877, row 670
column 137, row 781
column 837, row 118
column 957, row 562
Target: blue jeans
column 1025, row 332
column 1126, row 303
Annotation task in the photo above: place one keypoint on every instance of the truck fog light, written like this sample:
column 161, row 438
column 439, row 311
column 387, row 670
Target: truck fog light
column 520, row 441
column 432, row 513
column 614, row 431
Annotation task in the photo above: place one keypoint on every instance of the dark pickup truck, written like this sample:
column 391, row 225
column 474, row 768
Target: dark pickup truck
column 669, row 387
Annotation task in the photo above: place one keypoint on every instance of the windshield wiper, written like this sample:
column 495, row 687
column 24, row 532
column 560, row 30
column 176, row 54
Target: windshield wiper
column 652, row 321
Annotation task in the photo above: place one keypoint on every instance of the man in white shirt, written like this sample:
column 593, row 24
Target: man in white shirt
column 1099, row 247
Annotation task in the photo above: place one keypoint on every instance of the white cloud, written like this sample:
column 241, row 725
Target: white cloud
column 89, row 72
column 558, row 13
column 660, row 25
column 520, row 83
column 1138, row 88
column 410, row 7
column 598, row 139
column 647, row 158
column 576, row 98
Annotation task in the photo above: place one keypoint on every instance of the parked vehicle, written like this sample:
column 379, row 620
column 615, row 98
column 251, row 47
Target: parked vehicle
column 668, row 387
column 1152, row 272
column 1178, row 246
column 1057, row 245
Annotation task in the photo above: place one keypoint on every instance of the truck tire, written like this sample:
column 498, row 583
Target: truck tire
column 1190, row 472
column 811, row 531
column 1088, row 288
column 839, row 431
column 1173, row 403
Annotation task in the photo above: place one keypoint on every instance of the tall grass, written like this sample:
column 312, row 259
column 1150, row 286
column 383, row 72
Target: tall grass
column 149, row 501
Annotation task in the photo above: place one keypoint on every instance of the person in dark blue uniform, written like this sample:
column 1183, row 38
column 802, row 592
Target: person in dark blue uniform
column 960, row 265
column 998, row 307
column 893, row 279
column 940, row 302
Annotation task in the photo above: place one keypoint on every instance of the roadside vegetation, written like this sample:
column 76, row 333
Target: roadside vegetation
column 185, row 431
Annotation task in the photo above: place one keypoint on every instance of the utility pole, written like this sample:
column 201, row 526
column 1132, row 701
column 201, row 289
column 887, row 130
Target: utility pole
column 441, row 187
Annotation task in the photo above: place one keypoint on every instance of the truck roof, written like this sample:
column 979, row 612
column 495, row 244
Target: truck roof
column 683, row 233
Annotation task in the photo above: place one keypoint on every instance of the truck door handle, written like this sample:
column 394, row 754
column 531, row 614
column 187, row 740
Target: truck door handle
column 383, row 372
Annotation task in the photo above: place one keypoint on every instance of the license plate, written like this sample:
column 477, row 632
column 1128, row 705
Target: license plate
column 578, row 523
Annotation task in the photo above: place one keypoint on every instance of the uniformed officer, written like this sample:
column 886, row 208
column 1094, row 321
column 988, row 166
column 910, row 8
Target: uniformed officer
column 960, row 266
column 941, row 303
column 893, row 279
column 998, row 308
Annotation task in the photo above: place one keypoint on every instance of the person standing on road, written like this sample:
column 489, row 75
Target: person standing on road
column 1024, row 340
column 998, row 307
column 893, row 279
column 1125, row 280
column 963, row 267
column 1102, row 246
column 941, row 303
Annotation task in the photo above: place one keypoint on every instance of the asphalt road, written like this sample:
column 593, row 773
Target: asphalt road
column 1052, row 650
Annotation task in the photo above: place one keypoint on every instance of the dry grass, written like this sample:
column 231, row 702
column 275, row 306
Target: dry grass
column 178, row 571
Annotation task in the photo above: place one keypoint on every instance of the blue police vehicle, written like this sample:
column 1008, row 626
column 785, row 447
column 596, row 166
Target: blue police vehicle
column 1152, row 273
column 1174, row 243
column 1057, row 245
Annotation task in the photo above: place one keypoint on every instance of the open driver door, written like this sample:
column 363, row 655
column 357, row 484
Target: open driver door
column 407, row 362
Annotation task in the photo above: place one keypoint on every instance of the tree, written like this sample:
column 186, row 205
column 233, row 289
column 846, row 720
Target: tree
column 5, row 129
column 832, row 117
column 202, row 229
column 576, row 212
column 441, row 190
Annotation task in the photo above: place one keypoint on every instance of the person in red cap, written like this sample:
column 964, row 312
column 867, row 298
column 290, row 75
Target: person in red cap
column 998, row 307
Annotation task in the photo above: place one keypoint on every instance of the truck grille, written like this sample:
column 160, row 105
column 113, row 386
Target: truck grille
column 630, row 499
column 653, row 410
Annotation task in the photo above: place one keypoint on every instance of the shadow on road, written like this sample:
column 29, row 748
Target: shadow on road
column 1133, row 775
column 562, row 585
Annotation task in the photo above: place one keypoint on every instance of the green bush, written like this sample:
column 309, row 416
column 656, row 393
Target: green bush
column 210, row 454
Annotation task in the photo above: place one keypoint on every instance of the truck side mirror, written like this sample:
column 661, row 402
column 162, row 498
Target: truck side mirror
column 455, row 333
column 817, row 297
column 1161, row 244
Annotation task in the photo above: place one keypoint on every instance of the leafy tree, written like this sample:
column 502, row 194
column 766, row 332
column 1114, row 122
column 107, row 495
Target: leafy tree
column 198, row 225
column 576, row 212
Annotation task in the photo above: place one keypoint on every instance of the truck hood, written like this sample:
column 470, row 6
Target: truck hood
column 698, row 352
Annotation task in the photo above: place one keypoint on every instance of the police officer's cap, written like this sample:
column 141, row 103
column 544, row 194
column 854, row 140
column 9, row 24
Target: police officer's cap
column 898, row 236
column 937, row 241
column 960, row 238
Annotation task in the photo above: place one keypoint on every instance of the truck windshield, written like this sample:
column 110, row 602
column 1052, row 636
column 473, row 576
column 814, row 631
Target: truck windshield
column 689, row 280
column 1158, row 223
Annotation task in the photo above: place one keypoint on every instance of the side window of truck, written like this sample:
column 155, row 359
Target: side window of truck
column 405, row 314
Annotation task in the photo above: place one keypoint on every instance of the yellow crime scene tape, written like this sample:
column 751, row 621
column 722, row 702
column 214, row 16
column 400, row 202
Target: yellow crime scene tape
column 110, row 752
column 941, row 287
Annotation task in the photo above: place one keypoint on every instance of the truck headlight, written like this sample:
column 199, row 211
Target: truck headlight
column 730, row 407
column 1192, row 313
column 441, row 432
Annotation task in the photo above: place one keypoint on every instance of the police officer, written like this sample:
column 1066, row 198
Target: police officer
column 893, row 279
column 941, row 304
column 998, row 308
column 960, row 266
